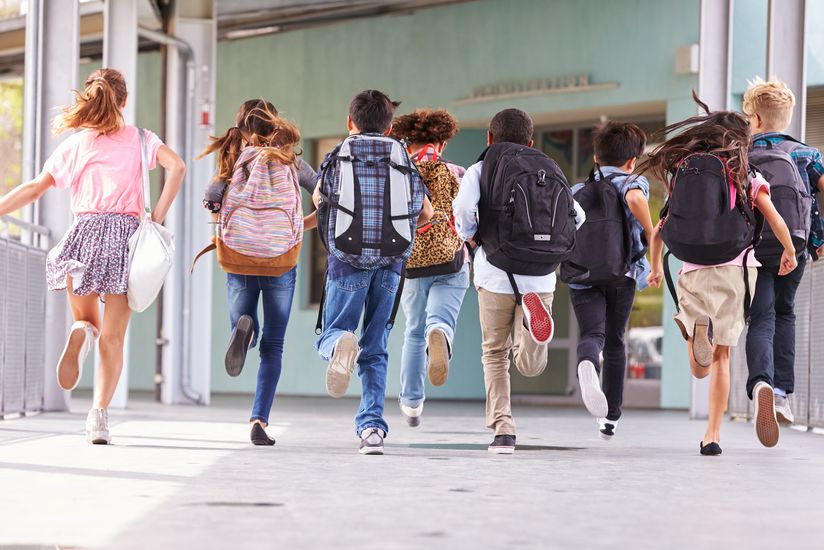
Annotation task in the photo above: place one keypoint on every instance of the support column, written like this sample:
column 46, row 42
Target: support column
column 787, row 55
column 52, row 63
column 714, row 86
column 120, row 52
column 187, row 312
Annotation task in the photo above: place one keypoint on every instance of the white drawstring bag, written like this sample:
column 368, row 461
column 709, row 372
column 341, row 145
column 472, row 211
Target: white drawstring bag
column 151, row 248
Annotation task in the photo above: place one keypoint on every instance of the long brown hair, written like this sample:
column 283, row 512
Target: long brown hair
column 722, row 133
column 257, row 124
column 98, row 107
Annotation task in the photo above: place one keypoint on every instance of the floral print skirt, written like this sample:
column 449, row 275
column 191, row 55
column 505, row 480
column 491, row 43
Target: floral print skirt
column 95, row 253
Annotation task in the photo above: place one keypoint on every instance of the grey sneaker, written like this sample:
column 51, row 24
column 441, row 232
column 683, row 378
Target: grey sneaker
column 342, row 364
column 97, row 427
column 782, row 411
column 412, row 415
column 371, row 441
column 502, row 445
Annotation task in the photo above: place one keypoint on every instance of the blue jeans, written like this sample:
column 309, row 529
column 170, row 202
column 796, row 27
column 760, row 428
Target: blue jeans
column 244, row 292
column 428, row 303
column 370, row 294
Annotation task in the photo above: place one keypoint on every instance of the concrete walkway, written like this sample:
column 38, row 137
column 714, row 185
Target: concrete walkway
column 185, row 477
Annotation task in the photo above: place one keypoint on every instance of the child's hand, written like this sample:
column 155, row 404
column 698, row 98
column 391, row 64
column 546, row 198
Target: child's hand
column 655, row 277
column 788, row 262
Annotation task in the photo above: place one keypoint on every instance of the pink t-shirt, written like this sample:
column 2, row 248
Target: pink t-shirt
column 757, row 185
column 103, row 171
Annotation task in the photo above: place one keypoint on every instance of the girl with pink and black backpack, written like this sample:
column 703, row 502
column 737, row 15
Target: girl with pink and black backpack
column 257, row 207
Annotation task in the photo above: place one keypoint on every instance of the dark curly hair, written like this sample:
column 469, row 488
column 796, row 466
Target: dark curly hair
column 424, row 126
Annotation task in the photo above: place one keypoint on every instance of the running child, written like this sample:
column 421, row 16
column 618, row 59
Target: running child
column 100, row 165
column 710, row 222
column 259, row 235
column 437, row 273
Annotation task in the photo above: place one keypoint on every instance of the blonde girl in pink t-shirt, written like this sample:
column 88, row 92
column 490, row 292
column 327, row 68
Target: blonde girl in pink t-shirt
column 711, row 297
column 101, row 166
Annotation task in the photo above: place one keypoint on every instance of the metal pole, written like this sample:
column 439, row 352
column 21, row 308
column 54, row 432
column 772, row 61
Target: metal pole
column 787, row 55
column 57, row 53
column 120, row 52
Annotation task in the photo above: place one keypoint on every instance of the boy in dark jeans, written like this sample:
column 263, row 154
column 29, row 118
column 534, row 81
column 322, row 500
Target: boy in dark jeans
column 771, row 334
column 603, row 311
column 352, row 292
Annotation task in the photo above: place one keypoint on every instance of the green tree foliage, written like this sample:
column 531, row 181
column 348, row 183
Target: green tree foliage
column 11, row 133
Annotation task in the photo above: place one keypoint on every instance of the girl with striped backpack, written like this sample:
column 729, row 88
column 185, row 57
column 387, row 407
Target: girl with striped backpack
column 259, row 233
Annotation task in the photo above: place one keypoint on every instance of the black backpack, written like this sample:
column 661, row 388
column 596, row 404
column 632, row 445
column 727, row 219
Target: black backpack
column 603, row 245
column 700, row 223
column 789, row 195
column 526, row 217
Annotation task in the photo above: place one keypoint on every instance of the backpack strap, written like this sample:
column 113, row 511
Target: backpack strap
column 514, row 287
column 208, row 248
column 397, row 303
column 747, row 295
column 319, row 322
column 669, row 280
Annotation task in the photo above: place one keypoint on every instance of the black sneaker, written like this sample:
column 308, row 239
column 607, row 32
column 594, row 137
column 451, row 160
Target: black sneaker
column 710, row 449
column 371, row 441
column 502, row 445
column 259, row 436
column 239, row 345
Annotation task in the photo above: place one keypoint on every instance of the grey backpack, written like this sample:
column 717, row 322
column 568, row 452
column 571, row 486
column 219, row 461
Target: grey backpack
column 789, row 195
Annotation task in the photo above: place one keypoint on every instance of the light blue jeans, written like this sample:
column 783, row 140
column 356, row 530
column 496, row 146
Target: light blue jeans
column 428, row 303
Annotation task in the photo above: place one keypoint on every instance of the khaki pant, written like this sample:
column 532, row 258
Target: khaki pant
column 499, row 315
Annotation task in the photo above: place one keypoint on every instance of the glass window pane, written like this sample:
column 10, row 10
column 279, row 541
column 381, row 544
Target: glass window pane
column 585, row 151
column 557, row 144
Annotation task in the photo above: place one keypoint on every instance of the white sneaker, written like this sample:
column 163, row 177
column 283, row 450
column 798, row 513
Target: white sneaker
column 766, row 424
column 97, row 427
column 412, row 415
column 70, row 367
column 371, row 441
column 606, row 428
column 782, row 410
column 342, row 364
column 591, row 392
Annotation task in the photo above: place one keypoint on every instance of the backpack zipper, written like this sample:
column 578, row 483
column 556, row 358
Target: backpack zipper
column 526, row 202
column 555, row 208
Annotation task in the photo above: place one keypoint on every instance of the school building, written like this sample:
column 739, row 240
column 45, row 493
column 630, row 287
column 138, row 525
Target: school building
column 569, row 63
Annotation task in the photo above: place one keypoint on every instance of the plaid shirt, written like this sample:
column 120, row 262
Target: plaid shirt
column 371, row 179
column 809, row 163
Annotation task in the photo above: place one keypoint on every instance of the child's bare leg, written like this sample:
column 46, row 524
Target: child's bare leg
column 115, row 322
column 719, row 392
column 697, row 370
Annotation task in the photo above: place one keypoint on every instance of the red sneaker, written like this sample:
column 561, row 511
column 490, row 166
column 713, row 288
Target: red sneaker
column 537, row 318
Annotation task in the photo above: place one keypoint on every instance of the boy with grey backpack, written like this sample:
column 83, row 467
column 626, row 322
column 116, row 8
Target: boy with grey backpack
column 370, row 198
column 795, row 173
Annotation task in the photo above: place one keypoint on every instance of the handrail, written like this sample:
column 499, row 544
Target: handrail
column 39, row 229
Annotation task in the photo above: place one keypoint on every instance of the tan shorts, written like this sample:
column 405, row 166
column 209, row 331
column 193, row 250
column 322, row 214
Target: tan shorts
column 718, row 293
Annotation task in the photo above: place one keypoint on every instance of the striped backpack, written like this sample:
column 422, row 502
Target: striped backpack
column 260, row 227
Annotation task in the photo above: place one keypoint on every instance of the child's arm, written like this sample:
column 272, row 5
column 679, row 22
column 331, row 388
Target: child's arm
column 316, row 195
column 788, row 260
column 310, row 221
column 656, row 247
column 175, row 170
column 25, row 194
column 639, row 206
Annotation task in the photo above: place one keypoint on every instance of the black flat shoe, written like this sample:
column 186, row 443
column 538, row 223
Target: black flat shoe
column 710, row 449
column 259, row 436
column 239, row 345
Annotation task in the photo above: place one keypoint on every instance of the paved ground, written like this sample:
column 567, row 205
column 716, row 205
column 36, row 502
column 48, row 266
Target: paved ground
column 186, row 478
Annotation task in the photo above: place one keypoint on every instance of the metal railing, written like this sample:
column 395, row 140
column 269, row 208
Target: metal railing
column 807, row 402
column 22, row 314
